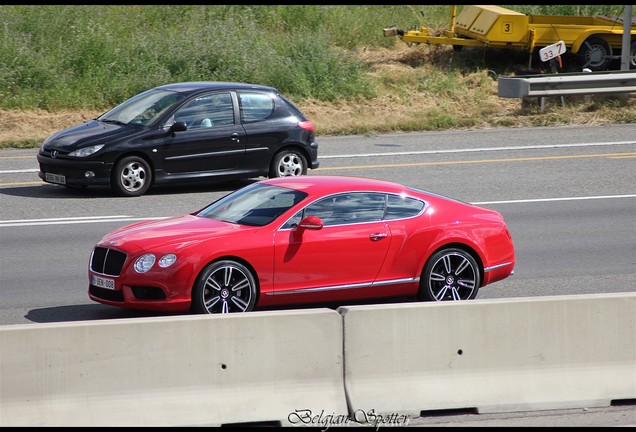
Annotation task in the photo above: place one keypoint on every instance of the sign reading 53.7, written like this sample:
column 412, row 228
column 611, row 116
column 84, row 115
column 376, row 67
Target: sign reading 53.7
column 552, row 51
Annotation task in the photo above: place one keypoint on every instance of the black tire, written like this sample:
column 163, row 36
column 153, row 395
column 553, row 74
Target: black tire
column 288, row 163
column 595, row 54
column 131, row 176
column 224, row 287
column 632, row 56
column 450, row 274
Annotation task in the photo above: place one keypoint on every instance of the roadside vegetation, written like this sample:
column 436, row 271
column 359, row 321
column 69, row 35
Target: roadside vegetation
column 61, row 64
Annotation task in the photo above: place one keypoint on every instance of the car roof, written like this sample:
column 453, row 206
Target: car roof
column 322, row 184
column 214, row 85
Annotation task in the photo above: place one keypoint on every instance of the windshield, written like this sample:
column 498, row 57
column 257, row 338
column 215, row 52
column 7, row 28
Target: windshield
column 255, row 205
column 142, row 109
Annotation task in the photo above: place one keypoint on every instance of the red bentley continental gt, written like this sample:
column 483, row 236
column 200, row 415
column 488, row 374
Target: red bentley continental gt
column 300, row 240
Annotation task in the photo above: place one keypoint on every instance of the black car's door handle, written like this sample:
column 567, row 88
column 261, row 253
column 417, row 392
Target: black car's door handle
column 234, row 136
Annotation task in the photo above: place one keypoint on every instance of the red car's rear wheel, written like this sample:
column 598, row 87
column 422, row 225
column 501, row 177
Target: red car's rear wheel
column 450, row 274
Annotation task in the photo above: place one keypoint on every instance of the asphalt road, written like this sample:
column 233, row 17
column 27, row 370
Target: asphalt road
column 568, row 195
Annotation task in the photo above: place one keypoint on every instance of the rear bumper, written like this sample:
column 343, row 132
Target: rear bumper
column 313, row 156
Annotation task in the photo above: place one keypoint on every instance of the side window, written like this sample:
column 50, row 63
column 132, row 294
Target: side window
column 255, row 106
column 207, row 111
column 367, row 206
column 293, row 221
column 324, row 209
column 348, row 208
column 403, row 207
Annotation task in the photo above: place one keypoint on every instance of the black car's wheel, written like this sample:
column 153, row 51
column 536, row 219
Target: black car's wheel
column 632, row 56
column 224, row 287
column 288, row 163
column 131, row 176
column 450, row 274
column 595, row 54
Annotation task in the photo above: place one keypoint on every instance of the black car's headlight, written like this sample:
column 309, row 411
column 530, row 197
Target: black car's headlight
column 46, row 141
column 146, row 261
column 86, row 151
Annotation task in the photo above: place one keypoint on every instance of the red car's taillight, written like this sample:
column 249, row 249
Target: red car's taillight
column 307, row 125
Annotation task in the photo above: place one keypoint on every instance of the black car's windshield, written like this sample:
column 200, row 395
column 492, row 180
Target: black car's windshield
column 255, row 205
column 142, row 109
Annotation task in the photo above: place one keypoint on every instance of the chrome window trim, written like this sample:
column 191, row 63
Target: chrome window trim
column 424, row 208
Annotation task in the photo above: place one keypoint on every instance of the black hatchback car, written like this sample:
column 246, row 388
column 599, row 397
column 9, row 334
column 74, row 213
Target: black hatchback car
column 183, row 132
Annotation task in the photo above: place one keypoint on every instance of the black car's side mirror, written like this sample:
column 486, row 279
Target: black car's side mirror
column 178, row 127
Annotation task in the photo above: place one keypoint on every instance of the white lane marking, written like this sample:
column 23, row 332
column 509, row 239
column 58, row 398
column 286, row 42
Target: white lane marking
column 123, row 218
column 66, row 218
column 532, row 147
column 554, row 199
column 19, row 171
column 67, row 221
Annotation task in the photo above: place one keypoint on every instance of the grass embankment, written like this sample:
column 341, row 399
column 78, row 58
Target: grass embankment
column 61, row 65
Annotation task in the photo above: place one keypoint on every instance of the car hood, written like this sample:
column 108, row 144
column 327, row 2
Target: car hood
column 177, row 232
column 89, row 133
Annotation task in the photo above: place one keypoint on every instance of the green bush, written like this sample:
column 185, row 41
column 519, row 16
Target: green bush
column 93, row 57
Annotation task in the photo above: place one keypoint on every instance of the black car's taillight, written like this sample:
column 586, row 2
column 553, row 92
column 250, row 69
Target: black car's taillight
column 307, row 125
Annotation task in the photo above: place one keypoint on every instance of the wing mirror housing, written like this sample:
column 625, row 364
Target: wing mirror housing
column 311, row 222
column 179, row 127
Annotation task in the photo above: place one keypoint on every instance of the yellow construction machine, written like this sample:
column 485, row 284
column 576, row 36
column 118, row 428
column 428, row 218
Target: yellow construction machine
column 596, row 41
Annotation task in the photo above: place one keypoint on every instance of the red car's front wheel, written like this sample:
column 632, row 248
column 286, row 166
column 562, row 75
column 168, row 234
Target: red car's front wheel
column 224, row 287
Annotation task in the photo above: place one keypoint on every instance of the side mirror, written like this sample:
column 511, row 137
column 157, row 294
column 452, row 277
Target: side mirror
column 311, row 222
column 179, row 127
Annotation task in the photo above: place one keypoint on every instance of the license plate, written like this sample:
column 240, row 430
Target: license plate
column 55, row 178
column 104, row 282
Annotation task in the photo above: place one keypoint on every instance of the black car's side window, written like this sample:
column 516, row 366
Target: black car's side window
column 255, row 106
column 207, row 111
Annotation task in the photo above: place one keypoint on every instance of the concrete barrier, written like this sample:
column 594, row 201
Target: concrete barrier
column 503, row 355
column 185, row 370
column 294, row 367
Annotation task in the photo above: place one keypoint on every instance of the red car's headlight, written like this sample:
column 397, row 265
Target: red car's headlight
column 146, row 261
column 167, row 260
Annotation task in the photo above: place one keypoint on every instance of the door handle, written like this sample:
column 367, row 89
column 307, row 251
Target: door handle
column 234, row 136
column 377, row 236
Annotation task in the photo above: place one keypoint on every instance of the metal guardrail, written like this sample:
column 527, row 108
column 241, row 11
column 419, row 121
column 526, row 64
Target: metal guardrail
column 566, row 84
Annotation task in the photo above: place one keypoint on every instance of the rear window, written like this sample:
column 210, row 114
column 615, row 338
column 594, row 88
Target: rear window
column 399, row 207
column 255, row 106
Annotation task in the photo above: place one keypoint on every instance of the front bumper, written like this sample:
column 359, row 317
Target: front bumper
column 75, row 171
